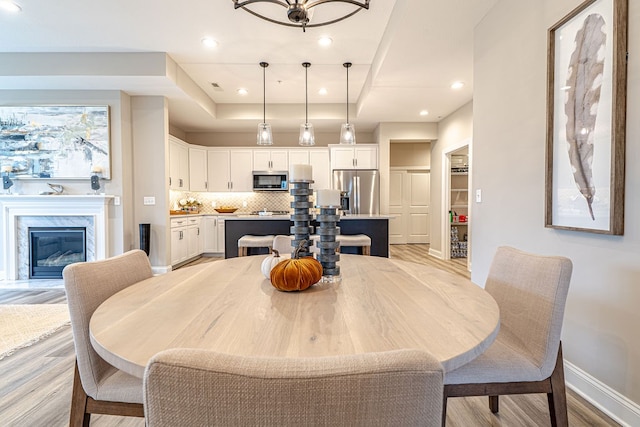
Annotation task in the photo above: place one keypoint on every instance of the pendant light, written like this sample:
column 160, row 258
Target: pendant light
column 265, row 136
column 306, row 129
column 348, row 131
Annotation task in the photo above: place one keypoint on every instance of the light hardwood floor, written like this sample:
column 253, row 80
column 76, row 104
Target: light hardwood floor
column 35, row 382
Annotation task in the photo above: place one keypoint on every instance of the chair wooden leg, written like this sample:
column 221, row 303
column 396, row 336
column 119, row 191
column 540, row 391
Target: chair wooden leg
column 79, row 416
column 444, row 410
column 366, row 250
column 558, row 398
column 494, row 404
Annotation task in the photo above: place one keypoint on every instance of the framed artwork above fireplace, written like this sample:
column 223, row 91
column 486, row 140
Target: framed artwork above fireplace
column 55, row 141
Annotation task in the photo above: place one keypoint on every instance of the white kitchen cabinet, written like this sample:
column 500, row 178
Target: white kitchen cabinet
column 198, row 168
column 210, row 226
column 319, row 159
column 321, row 168
column 179, row 245
column 195, row 238
column 230, row 170
column 357, row 156
column 178, row 164
column 299, row 157
column 267, row 159
column 221, row 234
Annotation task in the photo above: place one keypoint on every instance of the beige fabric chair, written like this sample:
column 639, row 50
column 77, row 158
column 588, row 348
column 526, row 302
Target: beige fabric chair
column 98, row 387
column 282, row 244
column 188, row 387
column 249, row 241
column 526, row 357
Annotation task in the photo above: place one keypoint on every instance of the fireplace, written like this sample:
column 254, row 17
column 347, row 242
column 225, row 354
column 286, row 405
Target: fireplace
column 53, row 248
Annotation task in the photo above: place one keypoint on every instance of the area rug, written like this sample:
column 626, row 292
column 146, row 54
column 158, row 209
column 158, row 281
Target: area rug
column 25, row 324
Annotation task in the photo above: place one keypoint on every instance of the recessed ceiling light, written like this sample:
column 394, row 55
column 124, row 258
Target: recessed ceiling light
column 325, row 41
column 10, row 6
column 242, row 91
column 457, row 85
column 323, row 91
column 209, row 42
column 424, row 113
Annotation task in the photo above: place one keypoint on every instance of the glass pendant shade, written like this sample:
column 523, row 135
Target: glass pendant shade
column 306, row 135
column 265, row 137
column 264, row 134
column 306, row 129
column 347, row 134
column 348, row 131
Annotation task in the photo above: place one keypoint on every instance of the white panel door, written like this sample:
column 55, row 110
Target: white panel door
column 397, row 225
column 409, row 200
column 279, row 160
column 418, row 207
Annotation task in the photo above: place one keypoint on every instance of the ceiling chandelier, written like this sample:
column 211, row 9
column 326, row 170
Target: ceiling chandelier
column 300, row 12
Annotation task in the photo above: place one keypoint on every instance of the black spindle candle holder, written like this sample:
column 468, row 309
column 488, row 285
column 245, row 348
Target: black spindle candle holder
column 301, row 218
column 328, row 230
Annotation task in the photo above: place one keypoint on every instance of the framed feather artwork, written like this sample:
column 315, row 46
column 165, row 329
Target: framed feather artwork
column 586, row 107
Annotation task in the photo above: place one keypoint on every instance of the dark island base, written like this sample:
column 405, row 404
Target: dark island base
column 376, row 228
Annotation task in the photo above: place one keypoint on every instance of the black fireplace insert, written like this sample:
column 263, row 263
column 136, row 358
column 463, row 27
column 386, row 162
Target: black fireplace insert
column 53, row 248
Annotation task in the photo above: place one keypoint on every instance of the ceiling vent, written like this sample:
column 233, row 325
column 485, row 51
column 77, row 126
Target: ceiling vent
column 216, row 87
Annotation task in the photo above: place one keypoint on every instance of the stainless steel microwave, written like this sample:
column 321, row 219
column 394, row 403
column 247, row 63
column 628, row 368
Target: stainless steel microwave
column 270, row 181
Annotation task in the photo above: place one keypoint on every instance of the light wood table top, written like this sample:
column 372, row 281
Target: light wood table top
column 228, row 306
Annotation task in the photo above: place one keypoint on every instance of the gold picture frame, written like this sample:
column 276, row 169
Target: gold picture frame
column 586, row 116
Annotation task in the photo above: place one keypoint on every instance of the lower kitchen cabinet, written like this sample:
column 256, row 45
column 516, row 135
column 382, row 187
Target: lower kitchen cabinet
column 213, row 234
column 187, row 240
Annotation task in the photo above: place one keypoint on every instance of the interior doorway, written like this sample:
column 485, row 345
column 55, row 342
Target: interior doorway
column 410, row 192
column 456, row 224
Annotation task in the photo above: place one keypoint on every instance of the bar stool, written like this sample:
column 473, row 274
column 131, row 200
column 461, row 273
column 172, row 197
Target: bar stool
column 249, row 241
column 358, row 240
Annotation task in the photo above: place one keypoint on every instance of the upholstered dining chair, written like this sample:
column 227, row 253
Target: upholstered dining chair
column 526, row 357
column 98, row 387
column 282, row 243
column 200, row 387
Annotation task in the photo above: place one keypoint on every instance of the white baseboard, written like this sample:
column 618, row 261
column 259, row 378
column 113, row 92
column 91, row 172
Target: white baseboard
column 435, row 253
column 615, row 405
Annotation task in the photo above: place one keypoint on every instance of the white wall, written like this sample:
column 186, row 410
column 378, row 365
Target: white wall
column 600, row 334
column 453, row 130
column 150, row 167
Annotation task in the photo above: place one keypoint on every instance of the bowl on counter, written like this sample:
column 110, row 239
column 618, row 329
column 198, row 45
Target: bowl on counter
column 225, row 210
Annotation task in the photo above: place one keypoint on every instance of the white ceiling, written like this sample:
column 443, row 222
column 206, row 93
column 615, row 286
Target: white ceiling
column 406, row 54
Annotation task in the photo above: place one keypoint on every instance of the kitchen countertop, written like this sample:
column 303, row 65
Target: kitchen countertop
column 281, row 217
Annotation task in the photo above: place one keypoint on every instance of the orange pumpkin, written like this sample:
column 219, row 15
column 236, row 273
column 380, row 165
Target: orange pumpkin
column 296, row 274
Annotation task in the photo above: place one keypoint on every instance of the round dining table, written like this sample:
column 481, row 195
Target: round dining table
column 228, row 306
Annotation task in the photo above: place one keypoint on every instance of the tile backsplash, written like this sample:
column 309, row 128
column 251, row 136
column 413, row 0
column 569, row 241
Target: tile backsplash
column 255, row 201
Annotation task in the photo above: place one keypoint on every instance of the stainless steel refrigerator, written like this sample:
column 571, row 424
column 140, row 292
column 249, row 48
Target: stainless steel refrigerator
column 359, row 190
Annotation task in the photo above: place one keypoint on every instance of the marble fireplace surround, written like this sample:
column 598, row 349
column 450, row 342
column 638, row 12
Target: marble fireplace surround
column 18, row 212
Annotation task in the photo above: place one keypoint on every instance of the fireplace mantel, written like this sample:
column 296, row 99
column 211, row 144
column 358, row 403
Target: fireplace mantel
column 12, row 207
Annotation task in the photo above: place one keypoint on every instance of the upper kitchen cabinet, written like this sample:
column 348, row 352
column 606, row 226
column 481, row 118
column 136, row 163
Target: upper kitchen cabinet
column 358, row 156
column 198, row 179
column 270, row 160
column 319, row 159
column 229, row 170
column 178, row 164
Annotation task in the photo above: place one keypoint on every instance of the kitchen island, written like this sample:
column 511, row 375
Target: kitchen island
column 374, row 226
